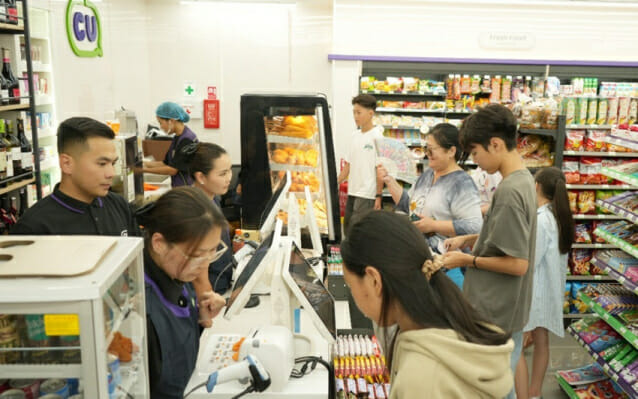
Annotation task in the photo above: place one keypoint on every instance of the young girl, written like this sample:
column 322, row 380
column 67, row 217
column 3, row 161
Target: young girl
column 554, row 238
column 443, row 348
column 182, row 233
column 210, row 167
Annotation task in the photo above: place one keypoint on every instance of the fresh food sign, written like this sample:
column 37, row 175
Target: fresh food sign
column 83, row 28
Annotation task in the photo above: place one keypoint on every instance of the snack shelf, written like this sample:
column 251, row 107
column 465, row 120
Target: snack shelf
column 405, row 94
column 593, row 246
column 597, row 277
column 274, row 138
column 567, row 389
column 597, row 217
column 613, row 273
column 577, row 315
column 624, row 143
column 540, row 132
column 600, row 187
column 293, row 168
column 41, row 371
column 611, row 320
column 14, row 107
column 618, row 211
column 623, row 177
column 573, row 126
column 617, row 242
column 601, row 154
column 624, row 385
column 401, row 127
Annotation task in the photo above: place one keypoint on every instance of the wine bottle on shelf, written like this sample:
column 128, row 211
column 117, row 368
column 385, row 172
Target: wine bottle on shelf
column 16, row 150
column 4, row 91
column 24, row 203
column 25, row 147
column 13, row 84
column 12, row 12
column 8, row 156
column 3, row 156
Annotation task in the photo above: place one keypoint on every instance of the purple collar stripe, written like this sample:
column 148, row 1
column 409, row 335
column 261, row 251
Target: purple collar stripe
column 72, row 209
column 99, row 201
column 352, row 57
column 175, row 309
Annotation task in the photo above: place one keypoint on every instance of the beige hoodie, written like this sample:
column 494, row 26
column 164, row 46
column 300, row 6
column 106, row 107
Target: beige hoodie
column 435, row 363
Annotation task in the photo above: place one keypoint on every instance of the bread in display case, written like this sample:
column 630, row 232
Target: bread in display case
column 84, row 333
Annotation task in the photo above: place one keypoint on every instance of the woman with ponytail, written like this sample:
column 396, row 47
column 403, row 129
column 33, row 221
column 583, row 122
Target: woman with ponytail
column 554, row 238
column 443, row 348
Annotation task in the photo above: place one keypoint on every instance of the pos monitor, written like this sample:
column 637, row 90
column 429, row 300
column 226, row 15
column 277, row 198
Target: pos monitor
column 274, row 205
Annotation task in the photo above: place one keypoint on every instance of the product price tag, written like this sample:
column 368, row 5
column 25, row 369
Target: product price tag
column 61, row 324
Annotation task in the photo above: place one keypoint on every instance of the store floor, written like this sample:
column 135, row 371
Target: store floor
column 565, row 353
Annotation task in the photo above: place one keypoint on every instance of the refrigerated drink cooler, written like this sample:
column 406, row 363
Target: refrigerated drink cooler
column 288, row 132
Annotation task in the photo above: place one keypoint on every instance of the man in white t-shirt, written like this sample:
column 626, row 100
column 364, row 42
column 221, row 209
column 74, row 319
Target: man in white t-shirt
column 364, row 190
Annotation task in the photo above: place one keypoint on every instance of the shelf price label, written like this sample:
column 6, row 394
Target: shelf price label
column 61, row 324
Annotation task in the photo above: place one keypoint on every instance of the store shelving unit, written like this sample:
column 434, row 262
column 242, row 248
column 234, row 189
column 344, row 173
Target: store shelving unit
column 616, row 276
column 596, row 277
column 593, row 246
column 624, row 385
column 616, row 324
column 610, row 154
column 623, row 177
column 9, row 36
column 617, row 242
column 625, row 143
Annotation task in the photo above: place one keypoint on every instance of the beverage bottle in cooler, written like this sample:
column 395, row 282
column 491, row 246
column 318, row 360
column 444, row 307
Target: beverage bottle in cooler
column 13, row 85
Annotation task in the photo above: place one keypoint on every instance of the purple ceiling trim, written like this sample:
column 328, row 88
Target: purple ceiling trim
column 346, row 57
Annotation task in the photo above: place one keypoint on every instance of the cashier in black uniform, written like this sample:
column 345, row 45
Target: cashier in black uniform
column 182, row 234
column 210, row 167
column 172, row 119
column 82, row 204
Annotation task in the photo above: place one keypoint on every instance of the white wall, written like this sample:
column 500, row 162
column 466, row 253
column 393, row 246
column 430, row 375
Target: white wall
column 151, row 47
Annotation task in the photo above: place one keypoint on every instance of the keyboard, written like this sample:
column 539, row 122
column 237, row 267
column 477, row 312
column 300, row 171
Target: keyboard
column 222, row 350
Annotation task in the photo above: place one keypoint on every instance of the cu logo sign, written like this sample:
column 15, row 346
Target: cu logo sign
column 83, row 28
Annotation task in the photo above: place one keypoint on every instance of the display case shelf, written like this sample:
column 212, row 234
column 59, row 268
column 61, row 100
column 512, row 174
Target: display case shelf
column 14, row 107
column 619, row 243
column 600, row 187
column 601, row 154
column 293, row 168
column 405, row 94
column 401, row 127
column 618, row 211
column 623, row 177
column 624, row 385
column 276, row 139
column 613, row 322
column 623, row 143
column 10, row 28
column 39, row 371
column 593, row 246
column 616, row 275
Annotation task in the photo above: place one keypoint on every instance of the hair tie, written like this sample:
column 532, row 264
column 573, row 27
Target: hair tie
column 432, row 266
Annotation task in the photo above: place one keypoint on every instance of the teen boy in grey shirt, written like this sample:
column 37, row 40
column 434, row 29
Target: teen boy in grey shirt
column 498, row 281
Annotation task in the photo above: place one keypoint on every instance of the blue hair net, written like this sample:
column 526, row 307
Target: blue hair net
column 169, row 110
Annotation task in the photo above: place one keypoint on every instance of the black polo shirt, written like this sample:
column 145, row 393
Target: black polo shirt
column 59, row 214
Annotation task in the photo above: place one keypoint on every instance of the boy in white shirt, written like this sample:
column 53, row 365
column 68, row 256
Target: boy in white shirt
column 364, row 189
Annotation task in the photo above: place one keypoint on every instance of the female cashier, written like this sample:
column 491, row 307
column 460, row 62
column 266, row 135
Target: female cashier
column 182, row 233
column 172, row 119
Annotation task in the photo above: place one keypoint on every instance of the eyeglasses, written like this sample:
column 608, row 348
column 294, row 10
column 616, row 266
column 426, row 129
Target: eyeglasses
column 211, row 257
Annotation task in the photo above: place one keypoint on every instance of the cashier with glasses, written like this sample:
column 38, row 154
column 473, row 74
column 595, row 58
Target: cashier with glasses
column 172, row 119
column 182, row 235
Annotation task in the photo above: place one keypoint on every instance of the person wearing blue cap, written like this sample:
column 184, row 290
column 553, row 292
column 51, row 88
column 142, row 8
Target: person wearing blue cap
column 172, row 119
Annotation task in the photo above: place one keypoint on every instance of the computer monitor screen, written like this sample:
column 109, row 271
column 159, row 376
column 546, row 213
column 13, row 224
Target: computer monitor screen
column 313, row 289
column 249, row 270
column 273, row 200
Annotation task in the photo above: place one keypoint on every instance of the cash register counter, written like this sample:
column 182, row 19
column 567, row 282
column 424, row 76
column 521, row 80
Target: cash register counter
column 311, row 386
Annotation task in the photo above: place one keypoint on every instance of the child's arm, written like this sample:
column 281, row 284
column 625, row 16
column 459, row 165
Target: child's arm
column 379, row 198
column 499, row 264
column 343, row 175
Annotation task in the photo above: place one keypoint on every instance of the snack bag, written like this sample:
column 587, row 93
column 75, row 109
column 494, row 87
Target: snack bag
column 603, row 107
column 410, row 84
column 586, row 202
column 573, row 201
column 578, row 306
column 623, row 110
column 633, row 111
column 566, row 301
column 595, row 238
column 528, row 144
column 612, row 113
column 581, row 262
column 582, row 233
column 574, row 140
column 595, row 141
column 581, row 111
column 366, row 83
column 571, row 170
column 569, row 110
column 590, row 170
column 495, row 96
column 603, row 195
column 592, row 111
